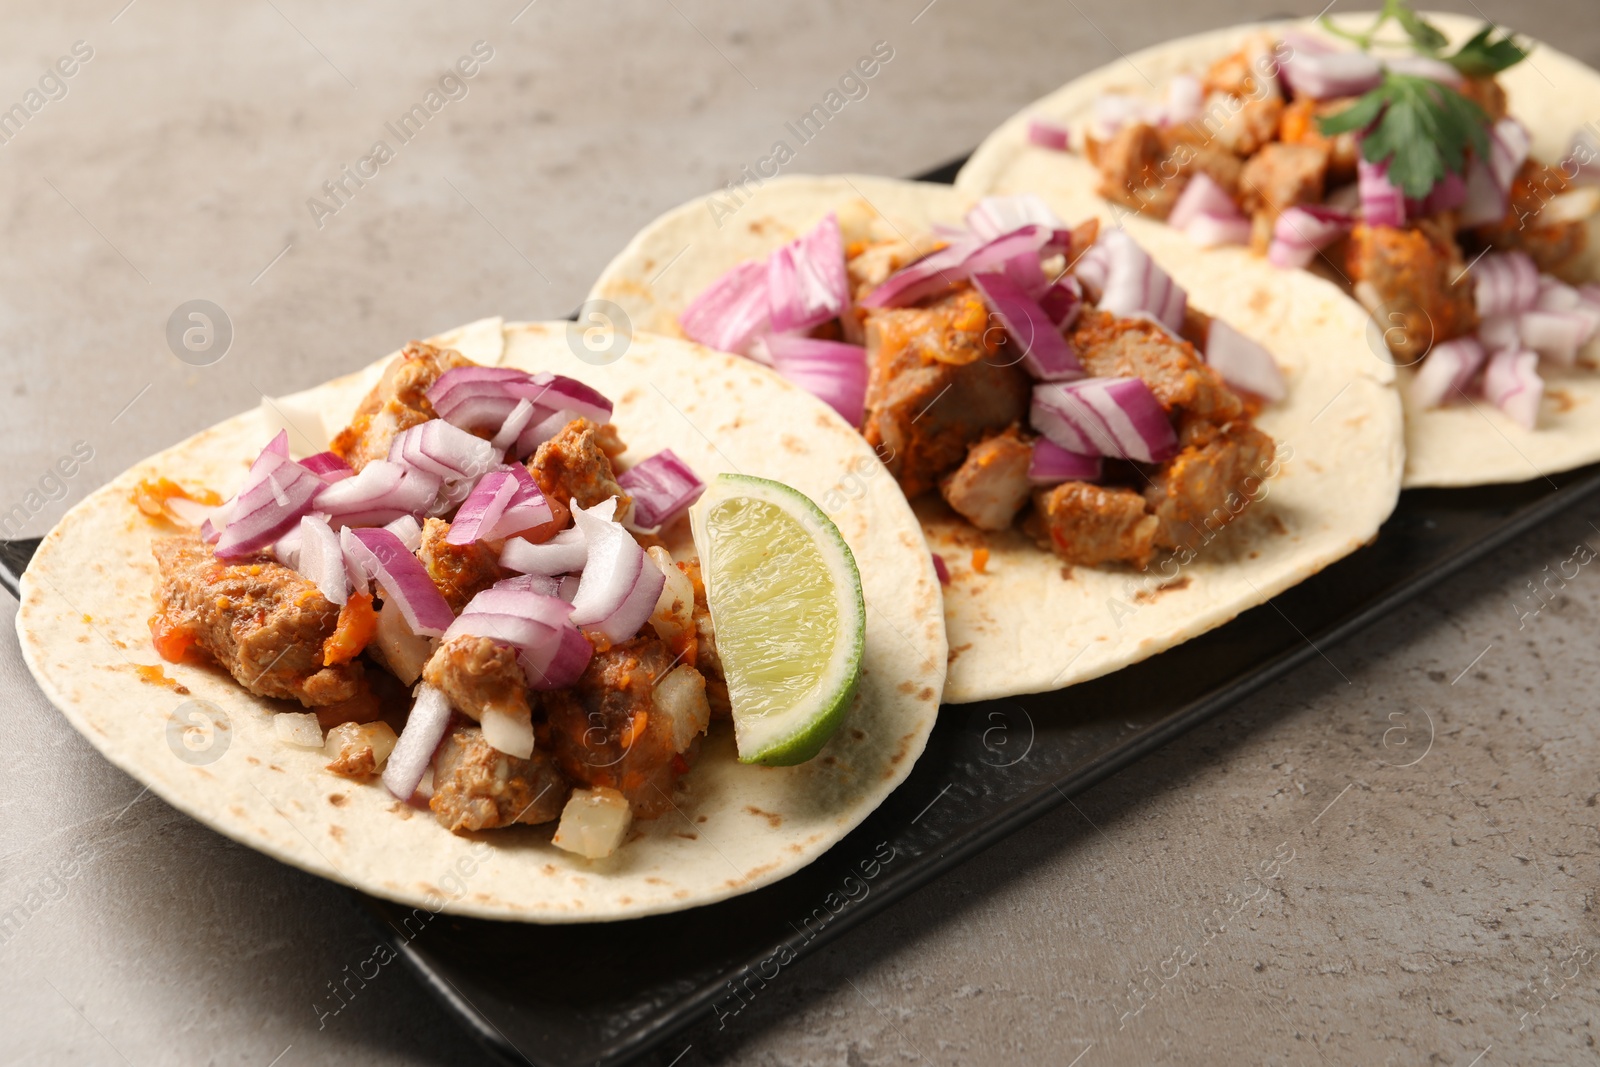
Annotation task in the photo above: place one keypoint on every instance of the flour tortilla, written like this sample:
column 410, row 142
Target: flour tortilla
column 1029, row 624
column 1463, row 444
column 87, row 595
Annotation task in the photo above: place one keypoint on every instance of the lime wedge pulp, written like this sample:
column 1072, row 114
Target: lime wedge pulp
column 790, row 621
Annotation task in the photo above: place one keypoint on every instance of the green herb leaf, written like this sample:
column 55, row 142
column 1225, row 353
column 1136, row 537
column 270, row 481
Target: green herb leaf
column 1424, row 35
column 1484, row 56
column 1420, row 128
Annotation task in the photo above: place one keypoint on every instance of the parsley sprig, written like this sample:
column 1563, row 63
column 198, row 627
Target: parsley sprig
column 1483, row 56
column 1422, row 128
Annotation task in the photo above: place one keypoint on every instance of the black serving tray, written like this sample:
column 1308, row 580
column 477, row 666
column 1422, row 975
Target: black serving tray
column 989, row 769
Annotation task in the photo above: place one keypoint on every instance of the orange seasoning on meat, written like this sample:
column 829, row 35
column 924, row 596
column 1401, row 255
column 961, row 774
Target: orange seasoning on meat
column 980, row 560
column 357, row 623
column 171, row 639
column 151, row 495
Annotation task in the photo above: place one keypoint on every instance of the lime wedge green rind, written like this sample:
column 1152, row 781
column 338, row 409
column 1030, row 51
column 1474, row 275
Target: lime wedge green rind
column 790, row 619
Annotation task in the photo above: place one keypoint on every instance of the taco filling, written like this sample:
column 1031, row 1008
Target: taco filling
column 1398, row 163
column 471, row 535
column 1035, row 376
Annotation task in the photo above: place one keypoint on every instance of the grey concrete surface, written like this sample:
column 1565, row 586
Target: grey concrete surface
column 1426, row 794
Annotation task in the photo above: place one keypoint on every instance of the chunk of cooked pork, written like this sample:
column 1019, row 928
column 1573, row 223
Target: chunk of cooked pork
column 991, row 485
column 257, row 618
column 478, row 787
column 398, row 402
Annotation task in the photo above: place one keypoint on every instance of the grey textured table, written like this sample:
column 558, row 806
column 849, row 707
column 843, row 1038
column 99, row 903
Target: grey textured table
column 1429, row 790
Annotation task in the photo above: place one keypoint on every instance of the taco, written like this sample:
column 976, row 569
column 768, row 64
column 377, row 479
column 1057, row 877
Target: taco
column 1113, row 445
column 1425, row 165
column 476, row 616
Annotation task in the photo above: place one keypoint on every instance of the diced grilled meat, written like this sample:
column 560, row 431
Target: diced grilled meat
column 607, row 731
column 1527, row 227
column 1280, row 176
column 1414, row 282
column 1250, row 123
column 1147, row 169
column 870, row 265
column 991, row 486
column 1487, row 94
column 478, row 787
column 1091, row 524
column 1298, row 126
column 574, row 465
column 460, row 571
column 398, row 402
column 479, row 675
column 1207, row 486
column 934, row 388
column 1112, row 347
column 257, row 618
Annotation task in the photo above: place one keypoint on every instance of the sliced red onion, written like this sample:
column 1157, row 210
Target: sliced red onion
column 542, row 584
column 562, row 664
column 1448, row 370
column 1047, row 134
column 1513, row 385
column 382, row 492
column 567, row 586
column 1426, row 67
column 1134, row 283
column 832, row 371
column 542, row 428
column 413, row 751
column 954, row 263
column 482, row 508
column 327, row 466
column 286, row 549
column 1202, row 196
column 1211, row 231
column 1116, row 417
column 557, row 392
column 1499, row 332
column 1485, row 201
column 1556, row 295
column 620, row 584
column 1244, row 363
column 408, row 529
column 265, row 512
column 995, row 216
column 806, row 281
column 1303, row 231
column 1505, row 283
column 402, row 577
column 528, row 507
column 1557, row 335
column 1092, row 269
column 1330, row 75
column 1027, row 273
column 1062, row 301
column 517, row 421
column 1509, row 146
column 731, row 311
column 663, row 487
column 1051, row 465
column 448, row 451
column 565, row 553
column 475, row 398
column 1581, row 164
column 1447, row 194
column 1186, row 98
column 1046, row 354
column 940, row 569
column 1382, row 203
column 525, row 603
column 321, row 560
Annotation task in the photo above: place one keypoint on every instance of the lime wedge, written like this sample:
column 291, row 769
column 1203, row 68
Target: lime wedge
column 785, row 599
